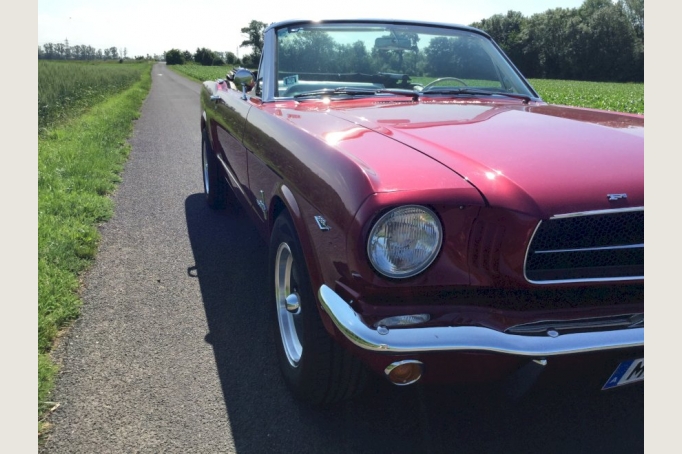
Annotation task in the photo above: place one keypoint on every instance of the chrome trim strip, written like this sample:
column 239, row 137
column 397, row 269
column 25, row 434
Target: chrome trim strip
column 231, row 176
column 595, row 212
column 468, row 338
column 612, row 322
column 525, row 257
column 604, row 248
column 591, row 279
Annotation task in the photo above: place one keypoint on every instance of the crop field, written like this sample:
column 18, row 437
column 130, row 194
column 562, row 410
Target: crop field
column 202, row 73
column 618, row 97
column 66, row 88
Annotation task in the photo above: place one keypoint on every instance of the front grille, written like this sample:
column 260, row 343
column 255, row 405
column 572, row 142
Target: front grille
column 591, row 246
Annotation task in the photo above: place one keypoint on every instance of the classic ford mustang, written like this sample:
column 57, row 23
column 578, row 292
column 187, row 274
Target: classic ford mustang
column 429, row 217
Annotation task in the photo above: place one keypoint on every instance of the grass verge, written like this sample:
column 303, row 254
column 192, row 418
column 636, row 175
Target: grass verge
column 79, row 165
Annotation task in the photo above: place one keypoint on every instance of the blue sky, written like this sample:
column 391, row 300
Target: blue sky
column 151, row 27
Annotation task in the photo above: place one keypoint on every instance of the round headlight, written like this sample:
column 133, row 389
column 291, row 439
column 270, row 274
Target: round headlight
column 405, row 241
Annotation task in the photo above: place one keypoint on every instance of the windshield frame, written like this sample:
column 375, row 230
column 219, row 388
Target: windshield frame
column 269, row 84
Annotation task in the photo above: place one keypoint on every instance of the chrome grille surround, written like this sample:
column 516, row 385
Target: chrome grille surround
column 590, row 246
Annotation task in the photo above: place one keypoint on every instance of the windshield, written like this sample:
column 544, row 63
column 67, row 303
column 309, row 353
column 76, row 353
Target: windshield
column 323, row 57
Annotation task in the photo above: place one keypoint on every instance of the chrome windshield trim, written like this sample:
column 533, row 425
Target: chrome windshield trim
column 468, row 338
column 596, row 212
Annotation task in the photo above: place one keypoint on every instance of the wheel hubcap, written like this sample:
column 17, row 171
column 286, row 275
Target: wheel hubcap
column 292, row 303
column 288, row 305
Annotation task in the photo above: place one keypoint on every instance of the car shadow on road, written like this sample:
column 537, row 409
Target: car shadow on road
column 231, row 265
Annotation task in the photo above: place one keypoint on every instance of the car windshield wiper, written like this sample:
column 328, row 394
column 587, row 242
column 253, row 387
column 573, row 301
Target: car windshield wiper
column 356, row 91
column 474, row 91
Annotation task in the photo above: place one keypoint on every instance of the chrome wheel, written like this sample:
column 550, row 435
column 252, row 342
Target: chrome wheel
column 314, row 367
column 215, row 186
column 288, row 304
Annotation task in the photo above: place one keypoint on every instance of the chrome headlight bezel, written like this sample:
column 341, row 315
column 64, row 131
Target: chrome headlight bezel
column 426, row 234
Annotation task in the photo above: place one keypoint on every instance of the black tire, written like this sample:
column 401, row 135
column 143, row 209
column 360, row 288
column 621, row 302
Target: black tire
column 316, row 369
column 215, row 186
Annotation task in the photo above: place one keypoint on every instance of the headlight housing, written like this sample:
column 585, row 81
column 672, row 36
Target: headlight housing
column 405, row 241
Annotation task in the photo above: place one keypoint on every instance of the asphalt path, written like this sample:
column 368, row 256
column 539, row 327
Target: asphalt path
column 173, row 352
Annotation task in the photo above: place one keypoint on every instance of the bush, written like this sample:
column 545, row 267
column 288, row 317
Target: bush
column 174, row 57
column 204, row 56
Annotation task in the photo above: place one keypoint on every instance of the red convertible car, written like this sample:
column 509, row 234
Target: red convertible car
column 429, row 217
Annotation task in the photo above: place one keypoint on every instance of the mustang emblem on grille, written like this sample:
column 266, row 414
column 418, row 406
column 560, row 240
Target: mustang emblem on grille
column 616, row 196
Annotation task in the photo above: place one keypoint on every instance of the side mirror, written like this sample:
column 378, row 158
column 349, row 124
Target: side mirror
column 243, row 80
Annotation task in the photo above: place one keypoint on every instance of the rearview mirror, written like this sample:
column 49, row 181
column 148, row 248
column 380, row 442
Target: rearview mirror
column 393, row 43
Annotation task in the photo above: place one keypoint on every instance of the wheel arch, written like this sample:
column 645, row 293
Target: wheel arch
column 284, row 200
column 204, row 126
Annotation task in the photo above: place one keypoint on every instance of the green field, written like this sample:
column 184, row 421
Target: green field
column 202, row 73
column 66, row 89
column 618, row 97
column 88, row 112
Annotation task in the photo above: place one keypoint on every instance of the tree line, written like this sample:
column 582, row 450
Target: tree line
column 202, row 56
column 63, row 51
column 599, row 41
column 317, row 52
column 207, row 57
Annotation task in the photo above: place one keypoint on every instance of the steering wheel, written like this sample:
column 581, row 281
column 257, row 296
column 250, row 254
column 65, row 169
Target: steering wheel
column 430, row 84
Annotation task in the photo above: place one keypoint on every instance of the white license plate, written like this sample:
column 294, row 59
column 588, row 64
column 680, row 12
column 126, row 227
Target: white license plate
column 627, row 372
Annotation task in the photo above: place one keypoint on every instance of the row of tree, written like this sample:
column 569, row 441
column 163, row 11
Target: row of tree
column 203, row 56
column 599, row 41
column 208, row 57
column 63, row 51
column 318, row 52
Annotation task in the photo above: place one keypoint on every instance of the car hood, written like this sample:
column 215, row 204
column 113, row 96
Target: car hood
column 538, row 159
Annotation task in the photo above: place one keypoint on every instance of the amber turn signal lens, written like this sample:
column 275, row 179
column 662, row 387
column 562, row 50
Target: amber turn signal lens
column 404, row 372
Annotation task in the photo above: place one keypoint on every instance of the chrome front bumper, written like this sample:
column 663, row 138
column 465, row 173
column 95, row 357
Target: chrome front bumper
column 469, row 338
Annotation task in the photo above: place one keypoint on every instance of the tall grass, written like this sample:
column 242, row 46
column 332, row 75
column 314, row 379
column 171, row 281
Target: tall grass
column 66, row 89
column 79, row 162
